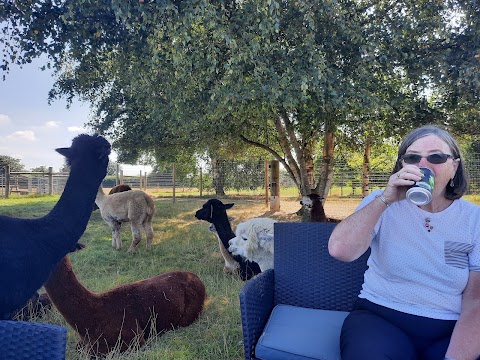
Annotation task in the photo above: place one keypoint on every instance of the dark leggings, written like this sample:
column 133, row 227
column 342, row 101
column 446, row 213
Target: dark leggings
column 374, row 332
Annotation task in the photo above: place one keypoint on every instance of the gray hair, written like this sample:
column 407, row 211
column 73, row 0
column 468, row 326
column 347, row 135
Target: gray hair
column 460, row 181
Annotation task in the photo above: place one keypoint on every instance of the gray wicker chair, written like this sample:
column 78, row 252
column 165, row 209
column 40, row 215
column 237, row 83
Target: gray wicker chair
column 305, row 276
column 22, row 340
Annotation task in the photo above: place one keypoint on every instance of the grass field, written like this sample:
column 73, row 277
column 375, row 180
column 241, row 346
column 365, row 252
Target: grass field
column 181, row 243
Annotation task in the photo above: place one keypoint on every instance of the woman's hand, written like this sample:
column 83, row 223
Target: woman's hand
column 399, row 182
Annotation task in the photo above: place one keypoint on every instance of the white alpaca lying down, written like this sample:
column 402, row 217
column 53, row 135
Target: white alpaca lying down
column 254, row 241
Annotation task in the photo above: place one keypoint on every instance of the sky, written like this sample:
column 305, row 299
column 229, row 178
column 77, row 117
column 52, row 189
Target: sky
column 30, row 128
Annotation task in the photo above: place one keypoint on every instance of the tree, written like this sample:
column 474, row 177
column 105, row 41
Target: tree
column 14, row 163
column 279, row 75
column 42, row 168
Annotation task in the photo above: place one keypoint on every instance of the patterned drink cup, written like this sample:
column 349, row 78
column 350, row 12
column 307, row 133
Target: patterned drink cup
column 421, row 192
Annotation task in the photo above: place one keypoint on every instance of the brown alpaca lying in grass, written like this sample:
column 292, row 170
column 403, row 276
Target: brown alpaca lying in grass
column 128, row 314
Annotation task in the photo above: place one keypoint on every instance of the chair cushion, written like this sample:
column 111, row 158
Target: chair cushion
column 295, row 333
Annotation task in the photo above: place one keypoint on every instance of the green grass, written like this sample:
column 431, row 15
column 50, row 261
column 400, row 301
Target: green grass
column 181, row 243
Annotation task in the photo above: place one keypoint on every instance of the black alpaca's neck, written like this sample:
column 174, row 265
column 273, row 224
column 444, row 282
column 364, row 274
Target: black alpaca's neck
column 73, row 300
column 225, row 233
column 318, row 212
column 71, row 213
column 224, row 230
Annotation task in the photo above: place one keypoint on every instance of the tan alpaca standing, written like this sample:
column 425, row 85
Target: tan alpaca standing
column 133, row 206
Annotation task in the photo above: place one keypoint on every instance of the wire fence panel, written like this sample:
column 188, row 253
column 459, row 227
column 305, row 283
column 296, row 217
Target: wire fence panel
column 230, row 178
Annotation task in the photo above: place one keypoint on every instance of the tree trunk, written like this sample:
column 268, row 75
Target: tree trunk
column 366, row 169
column 218, row 177
column 326, row 173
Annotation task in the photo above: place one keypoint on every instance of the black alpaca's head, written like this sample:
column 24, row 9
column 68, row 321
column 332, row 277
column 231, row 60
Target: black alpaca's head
column 310, row 200
column 94, row 146
column 90, row 152
column 212, row 210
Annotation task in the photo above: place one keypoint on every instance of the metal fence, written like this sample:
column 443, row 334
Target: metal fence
column 237, row 178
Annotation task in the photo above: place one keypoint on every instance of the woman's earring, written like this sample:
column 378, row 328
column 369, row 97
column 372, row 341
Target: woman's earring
column 451, row 183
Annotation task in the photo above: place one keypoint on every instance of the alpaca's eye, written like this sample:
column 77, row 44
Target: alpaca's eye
column 244, row 238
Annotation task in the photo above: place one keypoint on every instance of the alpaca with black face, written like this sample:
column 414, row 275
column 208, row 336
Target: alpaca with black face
column 215, row 212
column 31, row 248
column 313, row 211
column 313, row 208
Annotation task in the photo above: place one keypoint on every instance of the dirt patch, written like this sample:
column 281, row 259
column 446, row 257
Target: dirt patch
column 336, row 208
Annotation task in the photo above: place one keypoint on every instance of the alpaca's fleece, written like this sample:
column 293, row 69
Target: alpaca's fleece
column 128, row 314
column 254, row 241
column 313, row 208
column 114, row 190
column 215, row 212
column 134, row 206
column 231, row 266
column 31, row 248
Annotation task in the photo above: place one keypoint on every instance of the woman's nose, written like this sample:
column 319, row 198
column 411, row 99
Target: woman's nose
column 424, row 163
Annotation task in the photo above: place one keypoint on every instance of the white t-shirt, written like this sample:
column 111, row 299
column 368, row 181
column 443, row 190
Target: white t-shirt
column 417, row 271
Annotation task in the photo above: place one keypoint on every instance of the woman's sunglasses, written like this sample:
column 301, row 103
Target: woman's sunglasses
column 432, row 158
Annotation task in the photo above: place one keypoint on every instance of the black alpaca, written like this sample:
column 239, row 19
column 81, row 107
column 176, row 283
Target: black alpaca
column 313, row 211
column 313, row 208
column 30, row 249
column 215, row 212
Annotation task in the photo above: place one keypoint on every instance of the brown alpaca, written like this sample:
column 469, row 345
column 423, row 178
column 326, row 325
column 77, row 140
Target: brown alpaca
column 128, row 314
column 119, row 188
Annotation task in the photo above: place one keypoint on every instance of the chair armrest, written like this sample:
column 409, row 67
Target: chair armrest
column 31, row 340
column 256, row 304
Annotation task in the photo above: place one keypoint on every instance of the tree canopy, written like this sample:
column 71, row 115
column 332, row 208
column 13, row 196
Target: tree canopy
column 14, row 163
column 177, row 77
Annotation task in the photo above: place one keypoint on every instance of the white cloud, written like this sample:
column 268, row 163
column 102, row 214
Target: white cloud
column 75, row 129
column 26, row 135
column 4, row 119
column 52, row 124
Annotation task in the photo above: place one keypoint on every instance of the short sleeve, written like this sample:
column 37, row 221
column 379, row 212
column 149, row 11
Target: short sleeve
column 474, row 256
column 367, row 200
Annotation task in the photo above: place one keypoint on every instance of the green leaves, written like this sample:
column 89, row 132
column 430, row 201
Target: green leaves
column 177, row 74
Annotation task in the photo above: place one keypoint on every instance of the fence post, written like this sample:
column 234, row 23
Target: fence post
column 266, row 183
column 121, row 176
column 173, row 175
column 201, row 181
column 117, row 174
column 50, row 180
column 145, row 182
column 275, row 186
column 7, row 181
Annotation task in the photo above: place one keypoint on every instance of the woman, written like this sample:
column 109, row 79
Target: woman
column 421, row 293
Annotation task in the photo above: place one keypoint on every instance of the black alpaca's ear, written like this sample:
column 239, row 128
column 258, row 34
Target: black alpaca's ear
column 228, row 206
column 64, row 151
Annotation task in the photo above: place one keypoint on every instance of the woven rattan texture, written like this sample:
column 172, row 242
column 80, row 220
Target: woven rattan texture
column 256, row 304
column 21, row 340
column 305, row 273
